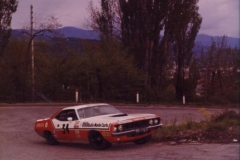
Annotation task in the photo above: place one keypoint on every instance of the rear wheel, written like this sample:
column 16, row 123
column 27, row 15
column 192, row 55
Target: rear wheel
column 50, row 138
column 97, row 141
column 143, row 140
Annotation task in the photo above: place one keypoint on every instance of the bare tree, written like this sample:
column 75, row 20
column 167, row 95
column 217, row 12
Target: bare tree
column 7, row 8
column 45, row 27
column 221, row 64
column 105, row 19
column 42, row 27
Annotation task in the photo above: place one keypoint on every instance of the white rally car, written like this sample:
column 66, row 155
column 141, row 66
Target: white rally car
column 99, row 124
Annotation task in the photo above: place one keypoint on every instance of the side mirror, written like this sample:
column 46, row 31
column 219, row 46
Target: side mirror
column 69, row 118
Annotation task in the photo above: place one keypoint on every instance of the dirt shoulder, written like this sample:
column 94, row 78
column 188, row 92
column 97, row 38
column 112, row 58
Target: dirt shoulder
column 231, row 135
column 221, row 127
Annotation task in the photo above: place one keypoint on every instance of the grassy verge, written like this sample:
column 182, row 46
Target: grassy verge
column 218, row 128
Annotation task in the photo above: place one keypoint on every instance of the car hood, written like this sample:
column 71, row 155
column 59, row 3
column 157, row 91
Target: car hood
column 118, row 118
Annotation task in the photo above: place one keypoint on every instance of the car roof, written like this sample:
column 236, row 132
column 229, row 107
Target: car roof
column 85, row 105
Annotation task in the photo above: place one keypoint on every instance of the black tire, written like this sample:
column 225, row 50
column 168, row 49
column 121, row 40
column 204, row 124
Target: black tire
column 143, row 140
column 97, row 141
column 50, row 138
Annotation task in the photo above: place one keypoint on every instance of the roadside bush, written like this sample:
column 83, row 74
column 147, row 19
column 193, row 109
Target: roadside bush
column 213, row 126
column 219, row 126
column 205, row 113
column 226, row 115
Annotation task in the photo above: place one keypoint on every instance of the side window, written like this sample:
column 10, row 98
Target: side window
column 88, row 112
column 85, row 112
column 72, row 113
column 63, row 115
column 81, row 113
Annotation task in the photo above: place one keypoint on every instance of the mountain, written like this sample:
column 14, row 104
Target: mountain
column 201, row 39
column 205, row 40
column 17, row 33
column 78, row 33
column 66, row 32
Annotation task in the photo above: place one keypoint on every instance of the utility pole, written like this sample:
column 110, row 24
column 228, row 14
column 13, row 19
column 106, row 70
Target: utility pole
column 32, row 53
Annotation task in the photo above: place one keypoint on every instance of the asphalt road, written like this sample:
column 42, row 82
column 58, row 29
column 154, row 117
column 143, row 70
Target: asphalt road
column 18, row 141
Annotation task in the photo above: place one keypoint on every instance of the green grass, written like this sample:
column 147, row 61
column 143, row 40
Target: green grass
column 213, row 123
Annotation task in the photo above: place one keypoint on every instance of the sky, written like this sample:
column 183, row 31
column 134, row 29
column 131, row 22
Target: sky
column 220, row 17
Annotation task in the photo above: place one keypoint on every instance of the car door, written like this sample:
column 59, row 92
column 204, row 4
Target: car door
column 64, row 124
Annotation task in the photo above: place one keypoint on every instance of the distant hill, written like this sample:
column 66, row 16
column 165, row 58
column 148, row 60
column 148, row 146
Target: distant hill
column 206, row 40
column 17, row 33
column 66, row 32
column 78, row 33
column 201, row 39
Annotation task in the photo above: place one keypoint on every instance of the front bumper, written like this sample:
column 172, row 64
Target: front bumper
column 136, row 130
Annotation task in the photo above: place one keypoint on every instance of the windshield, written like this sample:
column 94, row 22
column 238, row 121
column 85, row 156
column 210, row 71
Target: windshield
column 97, row 111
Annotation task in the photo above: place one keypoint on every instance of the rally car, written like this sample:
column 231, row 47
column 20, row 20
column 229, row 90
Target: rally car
column 99, row 124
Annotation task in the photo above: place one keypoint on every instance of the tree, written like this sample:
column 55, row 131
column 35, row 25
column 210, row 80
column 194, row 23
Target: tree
column 42, row 28
column 221, row 65
column 191, row 79
column 141, row 24
column 7, row 8
column 184, row 23
column 138, row 25
column 102, row 71
column 56, row 74
column 108, row 73
column 14, row 81
column 103, row 20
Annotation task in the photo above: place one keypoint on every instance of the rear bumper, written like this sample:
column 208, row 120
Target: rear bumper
column 136, row 130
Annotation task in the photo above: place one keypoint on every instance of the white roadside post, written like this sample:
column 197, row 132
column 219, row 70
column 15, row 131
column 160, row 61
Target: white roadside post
column 183, row 98
column 76, row 95
column 137, row 97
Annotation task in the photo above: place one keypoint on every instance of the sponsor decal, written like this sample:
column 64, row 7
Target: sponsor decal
column 139, row 119
column 46, row 124
column 76, row 125
column 86, row 124
column 106, row 134
column 40, row 125
column 125, row 121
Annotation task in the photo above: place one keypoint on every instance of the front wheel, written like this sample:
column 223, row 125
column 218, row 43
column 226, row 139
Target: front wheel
column 50, row 138
column 143, row 140
column 97, row 141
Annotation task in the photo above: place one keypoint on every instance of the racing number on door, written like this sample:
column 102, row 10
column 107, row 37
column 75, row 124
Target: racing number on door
column 65, row 129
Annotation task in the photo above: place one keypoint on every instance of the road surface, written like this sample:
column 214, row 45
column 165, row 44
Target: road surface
column 20, row 142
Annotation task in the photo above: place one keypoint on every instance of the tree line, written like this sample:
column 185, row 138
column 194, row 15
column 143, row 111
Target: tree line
column 154, row 31
column 145, row 46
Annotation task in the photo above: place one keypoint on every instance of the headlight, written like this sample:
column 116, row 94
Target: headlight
column 150, row 121
column 155, row 121
column 120, row 127
column 114, row 129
